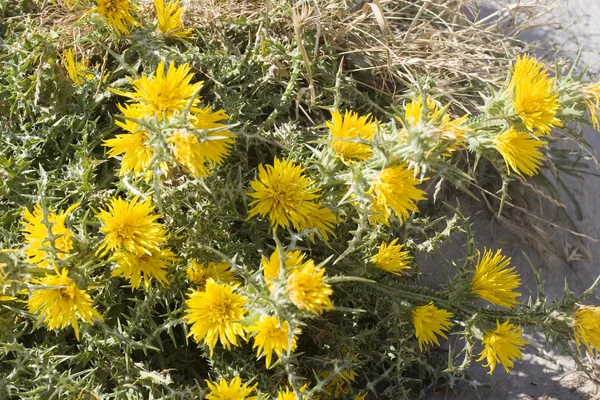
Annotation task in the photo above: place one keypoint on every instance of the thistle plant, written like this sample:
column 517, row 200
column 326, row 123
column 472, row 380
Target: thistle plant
column 174, row 228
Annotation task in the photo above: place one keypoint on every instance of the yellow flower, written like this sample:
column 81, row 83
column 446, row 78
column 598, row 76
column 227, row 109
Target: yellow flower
column 504, row 345
column 169, row 19
column 338, row 386
column 214, row 315
column 396, row 187
column 286, row 394
column 282, row 191
column 308, row 290
column 534, row 100
column 586, row 325
column 197, row 154
column 131, row 226
column 361, row 396
column 272, row 266
column 36, row 235
column 520, row 151
column 135, row 266
column 351, row 131
column 62, row 304
column 429, row 321
column 118, row 15
column 591, row 98
column 165, row 94
column 271, row 336
column 391, row 258
column 135, row 146
column 494, row 281
column 77, row 70
column 217, row 271
column 233, row 390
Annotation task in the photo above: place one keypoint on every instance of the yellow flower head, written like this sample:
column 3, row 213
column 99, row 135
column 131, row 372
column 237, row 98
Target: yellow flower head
column 165, row 93
column 591, row 98
column 520, row 151
column 494, row 281
column 283, row 192
column 308, row 290
column 199, row 274
column 63, row 304
column 118, row 15
column 504, row 345
column 196, row 154
column 233, row 390
column 396, row 187
column 430, row 321
column 586, row 325
column 77, row 70
column 534, row 99
column 36, row 234
column 135, row 266
column 349, row 132
column 272, row 266
column 169, row 19
column 132, row 227
column 339, row 385
column 286, row 394
column 391, row 258
column 214, row 315
column 135, row 146
column 447, row 128
column 271, row 336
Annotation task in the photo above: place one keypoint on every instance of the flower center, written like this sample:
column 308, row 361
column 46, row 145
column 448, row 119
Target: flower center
column 124, row 231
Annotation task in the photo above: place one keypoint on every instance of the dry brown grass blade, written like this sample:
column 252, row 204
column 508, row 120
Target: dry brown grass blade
column 298, row 19
column 375, row 7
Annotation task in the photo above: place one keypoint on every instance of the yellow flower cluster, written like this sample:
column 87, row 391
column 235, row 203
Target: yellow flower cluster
column 197, row 147
column 119, row 15
column 136, row 240
column 535, row 104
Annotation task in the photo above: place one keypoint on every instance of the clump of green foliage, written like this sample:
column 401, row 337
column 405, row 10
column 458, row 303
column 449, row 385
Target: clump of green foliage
column 297, row 185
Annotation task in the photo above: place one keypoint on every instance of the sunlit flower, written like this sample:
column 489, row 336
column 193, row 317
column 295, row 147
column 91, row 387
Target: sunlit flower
column 396, row 187
column 165, row 94
column 272, row 266
column 520, row 151
column 36, row 235
column 134, row 267
column 214, row 315
column 232, row 390
column 77, row 70
column 534, row 100
column 118, row 14
column 271, row 336
column 586, row 325
column 430, row 321
column 286, row 394
column 391, row 258
column 198, row 154
column 349, row 132
column 200, row 273
column 502, row 345
column 131, row 226
column 135, row 146
column 591, row 98
column 62, row 303
column 308, row 289
column 169, row 19
column 339, row 385
column 494, row 281
column 283, row 193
